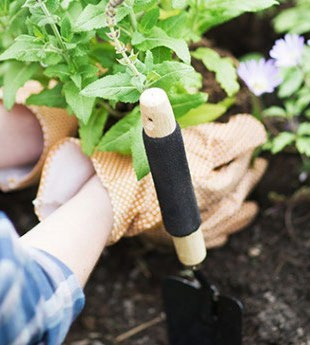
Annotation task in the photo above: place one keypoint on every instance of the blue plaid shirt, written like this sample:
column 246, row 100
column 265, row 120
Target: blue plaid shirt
column 39, row 296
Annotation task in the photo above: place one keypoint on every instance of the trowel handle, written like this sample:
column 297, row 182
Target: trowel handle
column 168, row 163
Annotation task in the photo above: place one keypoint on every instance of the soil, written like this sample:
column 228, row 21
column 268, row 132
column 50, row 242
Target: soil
column 266, row 266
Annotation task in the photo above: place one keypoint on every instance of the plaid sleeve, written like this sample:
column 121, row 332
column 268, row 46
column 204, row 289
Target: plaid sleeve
column 39, row 296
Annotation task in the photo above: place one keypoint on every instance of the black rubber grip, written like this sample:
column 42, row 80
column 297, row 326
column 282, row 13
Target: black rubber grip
column 173, row 183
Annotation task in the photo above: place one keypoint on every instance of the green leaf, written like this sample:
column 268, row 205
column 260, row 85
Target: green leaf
column 274, row 111
column 118, row 138
column 77, row 79
column 293, row 20
column 161, row 54
column 203, row 114
column 48, row 97
column 303, row 99
column 281, row 141
column 214, row 12
column 291, row 83
column 60, row 71
column 172, row 73
column 182, row 103
column 251, row 56
column 117, row 87
column 304, row 129
column 224, row 69
column 176, row 26
column 24, row 48
column 92, row 131
column 66, row 29
column 149, row 60
column 303, row 145
column 144, row 5
column 82, row 106
column 15, row 76
column 149, row 20
column 179, row 4
column 139, row 158
column 158, row 38
column 93, row 17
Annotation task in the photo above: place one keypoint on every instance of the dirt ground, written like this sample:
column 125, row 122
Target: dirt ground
column 266, row 266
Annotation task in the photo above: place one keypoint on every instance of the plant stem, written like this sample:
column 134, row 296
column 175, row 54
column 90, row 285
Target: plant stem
column 133, row 19
column 256, row 107
column 118, row 47
column 56, row 33
column 114, row 35
column 111, row 111
column 2, row 25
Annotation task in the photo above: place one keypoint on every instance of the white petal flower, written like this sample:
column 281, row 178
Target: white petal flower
column 287, row 51
column 260, row 76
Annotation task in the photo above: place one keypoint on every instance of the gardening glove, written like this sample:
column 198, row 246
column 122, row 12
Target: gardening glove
column 219, row 157
column 55, row 124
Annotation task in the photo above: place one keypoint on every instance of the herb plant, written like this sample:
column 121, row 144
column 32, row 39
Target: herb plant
column 94, row 58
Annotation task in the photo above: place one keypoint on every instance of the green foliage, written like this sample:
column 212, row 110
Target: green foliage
column 224, row 69
column 81, row 106
column 15, row 76
column 292, row 81
column 158, row 38
column 288, row 122
column 118, row 138
column 295, row 19
column 203, row 114
column 91, row 133
column 139, row 158
column 117, row 87
column 211, row 13
column 100, row 59
column 49, row 97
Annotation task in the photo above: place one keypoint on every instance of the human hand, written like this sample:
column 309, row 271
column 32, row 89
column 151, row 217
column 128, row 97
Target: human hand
column 26, row 135
column 219, row 158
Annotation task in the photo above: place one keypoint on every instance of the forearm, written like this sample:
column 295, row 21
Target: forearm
column 77, row 232
column 39, row 296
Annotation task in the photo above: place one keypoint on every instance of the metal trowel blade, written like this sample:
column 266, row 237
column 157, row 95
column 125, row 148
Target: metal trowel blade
column 198, row 315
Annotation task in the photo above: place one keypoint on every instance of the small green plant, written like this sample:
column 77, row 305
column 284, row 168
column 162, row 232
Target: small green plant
column 101, row 55
column 288, row 122
column 294, row 20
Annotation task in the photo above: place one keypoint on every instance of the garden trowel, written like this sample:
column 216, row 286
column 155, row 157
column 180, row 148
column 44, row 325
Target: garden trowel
column 196, row 313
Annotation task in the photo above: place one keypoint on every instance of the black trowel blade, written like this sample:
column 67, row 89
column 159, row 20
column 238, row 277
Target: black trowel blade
column 198, row 315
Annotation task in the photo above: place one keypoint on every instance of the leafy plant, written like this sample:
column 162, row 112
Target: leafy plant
column 101, row 55
column 288, row 122
column 295, row 20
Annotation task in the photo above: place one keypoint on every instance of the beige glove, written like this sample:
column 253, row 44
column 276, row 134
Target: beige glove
column 55, row 124
column 219, row 157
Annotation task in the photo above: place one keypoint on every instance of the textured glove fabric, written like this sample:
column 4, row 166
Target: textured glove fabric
column 219, row 156
column 55, row 123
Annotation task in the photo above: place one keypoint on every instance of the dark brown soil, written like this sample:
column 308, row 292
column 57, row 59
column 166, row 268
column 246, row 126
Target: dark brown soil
column 266, row 266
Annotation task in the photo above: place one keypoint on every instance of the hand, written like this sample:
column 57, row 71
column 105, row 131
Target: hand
column 219, row 157
column 26, row 135
column 21, row 139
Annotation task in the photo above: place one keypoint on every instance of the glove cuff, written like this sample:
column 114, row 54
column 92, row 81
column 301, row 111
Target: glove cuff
column 55, row 124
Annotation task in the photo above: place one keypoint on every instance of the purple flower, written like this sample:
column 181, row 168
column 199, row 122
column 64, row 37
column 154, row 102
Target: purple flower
column 288, row 51
column 260, row 76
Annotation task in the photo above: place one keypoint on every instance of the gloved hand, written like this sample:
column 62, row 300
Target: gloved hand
column 55, row 124
column 219, row 157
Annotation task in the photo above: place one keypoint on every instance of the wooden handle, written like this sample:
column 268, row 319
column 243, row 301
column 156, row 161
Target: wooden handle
column 159, row 122
column 157, row 114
